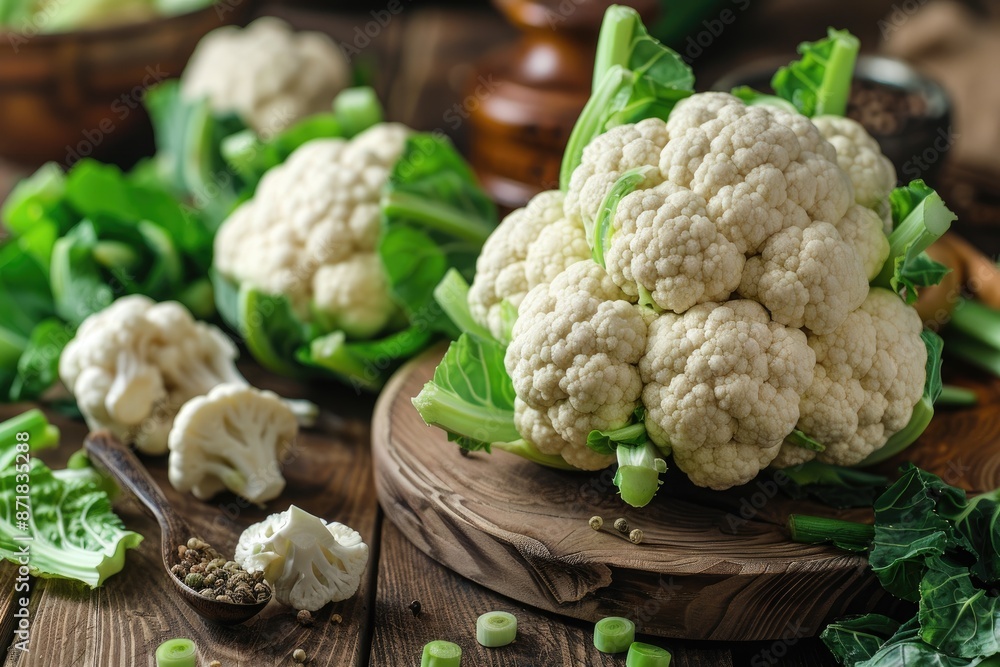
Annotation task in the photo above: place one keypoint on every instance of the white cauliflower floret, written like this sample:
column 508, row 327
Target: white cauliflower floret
column 307, row 561
column 500, row 269
column 606, row 158
column 665, row 245
column 573, row 361
column 311, row 231
column 859, row 154
column 722, row 389
column 870, row 374
column 268, row 74
column 132, row 365
column 807, row 278
column 760, row 169
column 233, row 438
column 862, row 229
column 559, row 246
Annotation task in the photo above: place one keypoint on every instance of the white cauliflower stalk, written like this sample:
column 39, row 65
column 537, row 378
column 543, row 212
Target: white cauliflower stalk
column 311, row 231
column 307, row 561
column 233, row 438
column 268, row 74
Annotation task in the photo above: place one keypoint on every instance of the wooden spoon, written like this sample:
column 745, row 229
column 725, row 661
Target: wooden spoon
column 119, row 460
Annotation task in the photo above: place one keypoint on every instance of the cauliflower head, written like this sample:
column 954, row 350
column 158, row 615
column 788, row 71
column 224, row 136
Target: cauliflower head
column 233, row 438
column 869, row 375
column 307, row 561
column 573, row 360
column 268, row 74
column 722, row 388
column 311, row 232
column 134, row 364
column 707, row 276
column 531, row 246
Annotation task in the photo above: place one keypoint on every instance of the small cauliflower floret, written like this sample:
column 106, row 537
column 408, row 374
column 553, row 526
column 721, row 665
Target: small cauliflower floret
column 311, row 231
column 268, row 74
column 870, row 374
column 665, row 246
column 559, row 246
column 606, row 158
column 722, row 389
column 862, row 229
column 233, row 439
column 573, row 361
column 858, row 153
column 500, row 269
column 307, row 561
column 132, row 365
column 760, row 169
column 807, row 278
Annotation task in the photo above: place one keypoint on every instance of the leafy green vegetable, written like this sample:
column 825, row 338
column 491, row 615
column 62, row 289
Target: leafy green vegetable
column 79, row 240
column 74, row 532
column 832, row 485
column 472, row 398
column 932, row 545
column 635, row 77
column 452, row 294
column 820, row 82
column 920, row 218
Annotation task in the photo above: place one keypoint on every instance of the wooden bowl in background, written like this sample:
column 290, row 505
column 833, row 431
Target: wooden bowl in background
column 64, row 96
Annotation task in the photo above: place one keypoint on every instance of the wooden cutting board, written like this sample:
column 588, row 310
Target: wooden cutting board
column 714, row 566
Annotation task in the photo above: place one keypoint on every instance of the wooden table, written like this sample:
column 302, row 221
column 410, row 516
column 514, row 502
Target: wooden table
column 419, row 61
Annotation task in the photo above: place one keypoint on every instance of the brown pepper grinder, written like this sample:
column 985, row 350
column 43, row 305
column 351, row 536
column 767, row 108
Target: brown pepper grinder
column 540, row 85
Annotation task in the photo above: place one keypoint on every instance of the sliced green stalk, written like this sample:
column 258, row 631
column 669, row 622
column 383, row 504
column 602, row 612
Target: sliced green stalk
column 436, row 216
column 177, row 653
column 638, row 474
column 440, row 653
column 848, row 535
column 922, row 225
column 800, row 439
column 957, row 396
column 496, row 628
column 528, row 451
column 357, row 109
column 41, row 434
column 976, row 320
column 647, row 655
column 602, row 230
column 614, row 634
column 820, row 82
column 452, row 294
column 974, row 352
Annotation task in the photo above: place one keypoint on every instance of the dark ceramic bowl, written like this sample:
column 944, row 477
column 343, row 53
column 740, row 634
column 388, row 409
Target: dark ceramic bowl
column 918, row 149
column 72, row 94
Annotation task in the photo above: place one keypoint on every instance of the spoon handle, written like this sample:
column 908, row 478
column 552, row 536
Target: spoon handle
column 118, row 459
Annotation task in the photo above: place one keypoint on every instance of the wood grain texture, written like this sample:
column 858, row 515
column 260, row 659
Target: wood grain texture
column 712, row 565
column 122, row 623
column 450, row 606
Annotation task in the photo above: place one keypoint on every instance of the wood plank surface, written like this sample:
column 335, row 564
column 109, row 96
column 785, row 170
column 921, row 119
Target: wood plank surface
column 122, row 623
column 703, row 571
column 450, row 606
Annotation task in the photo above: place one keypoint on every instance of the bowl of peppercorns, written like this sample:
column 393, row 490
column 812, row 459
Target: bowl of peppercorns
column 908, row 113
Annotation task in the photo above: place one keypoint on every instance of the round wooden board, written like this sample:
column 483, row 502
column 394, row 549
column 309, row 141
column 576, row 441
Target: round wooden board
column 714, row 566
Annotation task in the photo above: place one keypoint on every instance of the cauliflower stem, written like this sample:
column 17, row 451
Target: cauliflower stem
column 820, row 83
